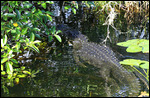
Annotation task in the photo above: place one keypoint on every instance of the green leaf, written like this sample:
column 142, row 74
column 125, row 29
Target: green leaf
column 35, row 72
column 145, row 65
column 4, row 60
column 36, row 29
column 26, row 72
column 33, row 9
column 135, row 62
column 132, row 62
column 27, row 40
column 17, row 69
column 145, row 49
column 24, row 31
column 76, row 6
column 21, row 76
column 20, row 24
column 18, row 14
column 50, row 38
column 145, row 45
column 4, row 41
column 50, row 13
column 37, row 41
column 28, row 5
column 9, row 68
column 124, row 44
column 9, row 76
column 58, row 37
column 67, row 7
column 17, row 80
column 9, row 15
column 14, row 60
column 90, row 2
column 136, row 45
column 59, row 31
column 16, row 65
column 18, row 45
column 13, row 31
column 49, row 17
column 4, row 55
column 22, row 40
column 39, row 2
column 86, row 2
column 23, row 67
column 4, row 8
column 74, row 10
column 5, row 89
column 10, row 9
column 32, row 36
column 35, row 48
column 134, row 49
column 7, row 31
column 50, row 2
column 18, row 30
column 2, row 45
column 45, row 19
column 2, row 68
column 17, row 37
column 128, row 43
column 3, row 73
column 10, row 52
column 38, row 36
column 143, row 42
column 53, row 30
column 44, row 5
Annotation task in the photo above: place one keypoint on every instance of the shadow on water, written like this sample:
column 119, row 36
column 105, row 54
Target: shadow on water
column 59, row 75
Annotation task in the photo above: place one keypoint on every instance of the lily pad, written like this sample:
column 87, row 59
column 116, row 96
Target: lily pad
column 145, row 49
column 145, row 45
column 143, row 42
column 135, row 62
column 131, row 62
column 128, row 43
column 145, row 65
column 134, row 49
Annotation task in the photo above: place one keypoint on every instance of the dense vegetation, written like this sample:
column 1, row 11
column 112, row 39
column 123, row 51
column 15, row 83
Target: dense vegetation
column 27, row 25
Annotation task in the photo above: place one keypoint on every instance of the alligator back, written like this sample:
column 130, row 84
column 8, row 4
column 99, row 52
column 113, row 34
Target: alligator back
column 104, row 58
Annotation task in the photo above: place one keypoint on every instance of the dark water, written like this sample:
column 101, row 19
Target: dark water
column 60, row 76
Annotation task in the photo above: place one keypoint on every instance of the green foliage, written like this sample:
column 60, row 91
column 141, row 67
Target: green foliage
column 55, row 34
column 88, row 3
column 137, row 45
column 133, row 62
column 73, row 5
column 20, row 27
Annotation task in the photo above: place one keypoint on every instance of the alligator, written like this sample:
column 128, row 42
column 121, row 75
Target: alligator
column 103, row 58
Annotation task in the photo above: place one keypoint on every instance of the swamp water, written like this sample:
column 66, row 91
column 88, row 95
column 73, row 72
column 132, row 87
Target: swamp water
column 59, row 75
